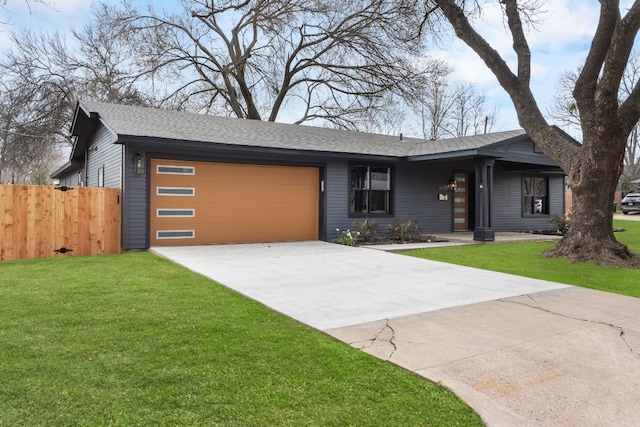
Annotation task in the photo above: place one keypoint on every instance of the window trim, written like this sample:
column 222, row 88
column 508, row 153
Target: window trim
column 523, row 195
column 101, row 176
column 391, row 171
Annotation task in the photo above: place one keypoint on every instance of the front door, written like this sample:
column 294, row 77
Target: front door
column 461, row 203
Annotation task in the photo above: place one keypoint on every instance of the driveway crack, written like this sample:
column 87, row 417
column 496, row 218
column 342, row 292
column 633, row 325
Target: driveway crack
column 391, row 340
column 621, row 331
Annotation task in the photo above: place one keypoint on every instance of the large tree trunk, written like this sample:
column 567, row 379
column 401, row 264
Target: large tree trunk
column 595, row 166
column 593, row 179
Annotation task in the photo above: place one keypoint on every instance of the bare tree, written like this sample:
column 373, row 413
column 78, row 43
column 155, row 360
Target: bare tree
column 41, row 78
column 631, row 170
column 565, row 110
column 446, row 108
column 435, row 103
column 329, row 60
column 606, row 121
column 9, row 8
column 471, row 114
column 27, row 135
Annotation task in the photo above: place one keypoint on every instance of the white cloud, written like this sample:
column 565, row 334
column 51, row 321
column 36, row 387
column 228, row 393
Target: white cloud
column 566, row 23
column 558, row 43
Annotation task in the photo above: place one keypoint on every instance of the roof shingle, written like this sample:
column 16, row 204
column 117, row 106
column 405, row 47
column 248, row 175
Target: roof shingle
column 135, row 121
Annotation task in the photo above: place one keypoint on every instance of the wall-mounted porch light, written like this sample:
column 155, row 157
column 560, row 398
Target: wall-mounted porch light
column 138, row 164
column 451, row 186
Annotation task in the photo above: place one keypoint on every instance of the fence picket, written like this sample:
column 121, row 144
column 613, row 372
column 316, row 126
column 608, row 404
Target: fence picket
column 36, row 220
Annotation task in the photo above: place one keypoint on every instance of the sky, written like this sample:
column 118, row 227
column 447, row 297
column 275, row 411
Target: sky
column 558, row 43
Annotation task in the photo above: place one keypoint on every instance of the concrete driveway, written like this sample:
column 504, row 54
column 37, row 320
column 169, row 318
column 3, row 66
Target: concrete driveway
column 519, row 351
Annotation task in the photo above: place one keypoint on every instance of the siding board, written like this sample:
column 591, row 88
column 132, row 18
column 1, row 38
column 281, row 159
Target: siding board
column 103, row 153
column 415, row 192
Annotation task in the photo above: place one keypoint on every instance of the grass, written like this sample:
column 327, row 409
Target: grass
column 524, row 259
column 134, row 340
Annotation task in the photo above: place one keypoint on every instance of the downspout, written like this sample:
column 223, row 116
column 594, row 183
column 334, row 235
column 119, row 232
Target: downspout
column 86, row 168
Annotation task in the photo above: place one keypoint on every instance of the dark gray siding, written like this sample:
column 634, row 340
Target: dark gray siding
column 415, row 196
column 525, row 146
column 507, row 202
column 417, row 189
column 135, row 206
column 103, row 153
column 70, row 179
column 415, row 192
column 337, row 197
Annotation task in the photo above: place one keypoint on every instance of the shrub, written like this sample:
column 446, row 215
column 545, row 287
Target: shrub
column 403, row 231
column 346, row 237
column 562, row 222
column 366, row 230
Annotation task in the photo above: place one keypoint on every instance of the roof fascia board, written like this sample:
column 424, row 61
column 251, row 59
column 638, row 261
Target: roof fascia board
column 65, row 168
column 542, row 160
column 72, row 129
column 152, row 143
column 443, row 156
column 566, row 136
column 507, row 141
column 83, row 128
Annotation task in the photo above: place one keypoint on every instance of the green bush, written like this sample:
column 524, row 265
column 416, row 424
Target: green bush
column 346, row 237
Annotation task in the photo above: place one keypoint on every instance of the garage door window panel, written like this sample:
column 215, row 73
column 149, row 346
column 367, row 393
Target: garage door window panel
column 175, row 234
column 175, row 191
column 175, row 213
column 175, row 170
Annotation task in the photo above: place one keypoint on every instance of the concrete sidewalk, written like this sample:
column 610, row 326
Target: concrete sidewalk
column 521, row 352
column 566, row 357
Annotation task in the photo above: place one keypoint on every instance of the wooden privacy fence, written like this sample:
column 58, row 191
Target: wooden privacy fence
column 41, row 221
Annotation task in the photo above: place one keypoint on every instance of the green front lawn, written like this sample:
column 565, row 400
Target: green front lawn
column 135, row 340
column 524, row 259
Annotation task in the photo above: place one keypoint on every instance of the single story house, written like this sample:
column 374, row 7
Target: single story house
column 196, row 179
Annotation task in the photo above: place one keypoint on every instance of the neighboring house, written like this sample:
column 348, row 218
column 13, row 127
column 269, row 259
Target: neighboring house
column 195, row 179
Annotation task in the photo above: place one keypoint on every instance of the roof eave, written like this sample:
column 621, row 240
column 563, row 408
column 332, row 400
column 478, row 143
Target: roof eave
column 154, row 142
column 83, row 126
column 62, row 170
column 443, row 155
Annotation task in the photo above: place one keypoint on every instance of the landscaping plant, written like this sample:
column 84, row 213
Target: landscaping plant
column 367, row 230
column 403, row 231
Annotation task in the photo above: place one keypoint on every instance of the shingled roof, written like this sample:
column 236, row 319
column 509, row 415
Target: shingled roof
column 130, row 121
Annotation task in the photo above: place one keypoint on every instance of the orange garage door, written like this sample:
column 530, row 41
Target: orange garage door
column 198, row 203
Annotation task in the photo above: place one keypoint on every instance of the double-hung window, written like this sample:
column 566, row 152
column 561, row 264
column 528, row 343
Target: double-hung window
column 535, row 195
column 370, row 190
